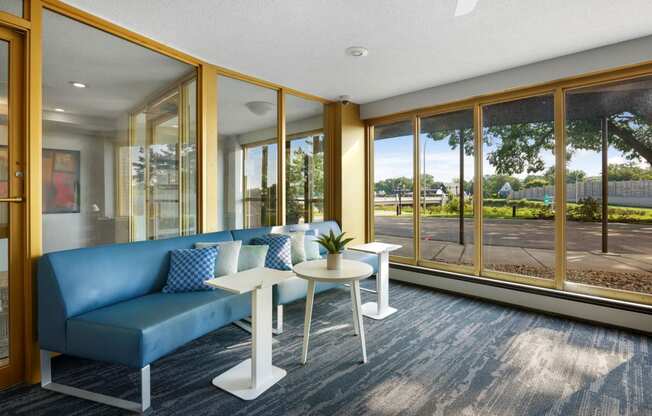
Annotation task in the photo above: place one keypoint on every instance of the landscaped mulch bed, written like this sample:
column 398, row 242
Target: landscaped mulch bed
column 631, row 281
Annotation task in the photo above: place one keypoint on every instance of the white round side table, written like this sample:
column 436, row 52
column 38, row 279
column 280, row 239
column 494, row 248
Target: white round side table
column 351, row 272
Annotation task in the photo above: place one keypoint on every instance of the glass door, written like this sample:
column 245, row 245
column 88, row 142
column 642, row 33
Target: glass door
column 12, row 208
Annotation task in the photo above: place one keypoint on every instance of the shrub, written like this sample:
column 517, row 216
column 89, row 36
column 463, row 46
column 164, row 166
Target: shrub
column 587, row 209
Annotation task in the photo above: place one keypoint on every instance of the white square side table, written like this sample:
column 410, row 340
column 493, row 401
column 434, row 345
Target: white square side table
column 252, row 377
column 380, row 309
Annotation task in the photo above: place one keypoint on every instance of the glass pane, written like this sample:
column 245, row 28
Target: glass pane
column 14, row 7
column 609, row 185
column 446, row 155
column 247, row 154
column 119, row 139
column 4, row 207
column 304, row 170
column 393, row 186
column 519, row 187
column 4, row 283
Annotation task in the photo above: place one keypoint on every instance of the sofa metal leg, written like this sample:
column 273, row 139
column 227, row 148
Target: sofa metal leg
column 245, row 324
column 48, row 384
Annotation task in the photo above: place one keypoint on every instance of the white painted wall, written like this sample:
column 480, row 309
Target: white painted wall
column 612, row 56
column 586, row 311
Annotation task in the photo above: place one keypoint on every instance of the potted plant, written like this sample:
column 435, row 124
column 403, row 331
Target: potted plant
column 334, row 245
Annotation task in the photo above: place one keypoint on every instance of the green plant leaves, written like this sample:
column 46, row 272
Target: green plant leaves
column 332, row 243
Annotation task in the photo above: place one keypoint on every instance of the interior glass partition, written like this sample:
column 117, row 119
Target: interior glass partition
column 119, row 139
column 247, row 154
column 518, row 187
column 393, row 186
column 609, row 185
column 446, row 158
column 304, row 160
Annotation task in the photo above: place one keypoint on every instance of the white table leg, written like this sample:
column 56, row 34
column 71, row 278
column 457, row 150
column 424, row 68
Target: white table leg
column 355, row 287
column 252, row 377
column 356, row 330
column 380, row 309
column 310, row 298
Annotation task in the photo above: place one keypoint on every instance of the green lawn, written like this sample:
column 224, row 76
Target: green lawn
column 501, row 209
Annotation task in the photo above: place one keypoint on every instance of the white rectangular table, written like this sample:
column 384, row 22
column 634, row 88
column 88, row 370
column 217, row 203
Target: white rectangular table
column 380, row 309
column 252, row 377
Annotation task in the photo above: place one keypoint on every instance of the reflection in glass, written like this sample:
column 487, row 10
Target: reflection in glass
column 304, row 170
column 4, row 207
column 446, row 155
column 518, row 187
column 260, row 184
column 247, row 156
column 393, row 186
column 129, row 137
column 14, row 7
column 609, row 185
column 4, row 283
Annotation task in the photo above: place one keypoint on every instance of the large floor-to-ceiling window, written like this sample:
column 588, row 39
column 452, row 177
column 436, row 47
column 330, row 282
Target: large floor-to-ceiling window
column 446, row 148
column 119, row 139
column 609, row 185
column 518, row 187
column 393, row 186
column 549, row 187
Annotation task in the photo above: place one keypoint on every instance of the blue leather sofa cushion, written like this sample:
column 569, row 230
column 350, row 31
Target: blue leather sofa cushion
column 248, row 234
column 141, row 330
column 74, row 282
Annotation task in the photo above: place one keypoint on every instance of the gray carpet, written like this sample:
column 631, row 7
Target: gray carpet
column 439, row 355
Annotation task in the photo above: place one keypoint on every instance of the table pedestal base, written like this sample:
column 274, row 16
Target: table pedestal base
column 237, row 381
column 370, row 310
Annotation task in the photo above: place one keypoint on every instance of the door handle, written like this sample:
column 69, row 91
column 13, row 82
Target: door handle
column 14, row 199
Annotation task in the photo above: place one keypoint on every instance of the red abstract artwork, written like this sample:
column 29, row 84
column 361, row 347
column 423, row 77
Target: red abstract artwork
column 61, row 181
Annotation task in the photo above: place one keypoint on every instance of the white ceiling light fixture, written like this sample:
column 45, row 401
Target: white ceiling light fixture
column 78, row 84
column 260, row 108
column 465, row 7
column 357, row 51
column 59, row 110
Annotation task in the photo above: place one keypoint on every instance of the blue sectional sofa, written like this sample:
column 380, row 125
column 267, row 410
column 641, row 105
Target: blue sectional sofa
column 105, row 303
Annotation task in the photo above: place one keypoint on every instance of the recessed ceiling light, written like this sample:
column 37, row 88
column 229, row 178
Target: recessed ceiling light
column 77, row 84
column 357, row 51
column 465, row 7
column 59, row 110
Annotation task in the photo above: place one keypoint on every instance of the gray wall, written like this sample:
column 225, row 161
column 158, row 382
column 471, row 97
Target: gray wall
column 612, row 56
column 73, row 230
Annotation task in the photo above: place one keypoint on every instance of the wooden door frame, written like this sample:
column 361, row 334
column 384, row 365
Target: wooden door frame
column 14, row 371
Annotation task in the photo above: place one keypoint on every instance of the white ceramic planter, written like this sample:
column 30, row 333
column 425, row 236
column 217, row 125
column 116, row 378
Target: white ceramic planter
column 334, row 261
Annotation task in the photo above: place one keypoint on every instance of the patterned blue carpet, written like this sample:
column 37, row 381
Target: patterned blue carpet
column 439, row 355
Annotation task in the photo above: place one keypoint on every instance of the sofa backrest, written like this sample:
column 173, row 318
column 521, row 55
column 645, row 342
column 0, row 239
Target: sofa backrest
column 248, row 234
column 74, row 282
column 323, row 227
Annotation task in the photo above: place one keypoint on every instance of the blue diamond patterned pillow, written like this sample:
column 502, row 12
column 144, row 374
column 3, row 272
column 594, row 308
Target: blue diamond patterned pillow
column 279, row 255
column 189, row 269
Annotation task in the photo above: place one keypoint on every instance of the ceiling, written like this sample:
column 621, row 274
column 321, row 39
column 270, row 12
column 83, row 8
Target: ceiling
column 119, row 75
column 235, row 118
column 412, row 45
